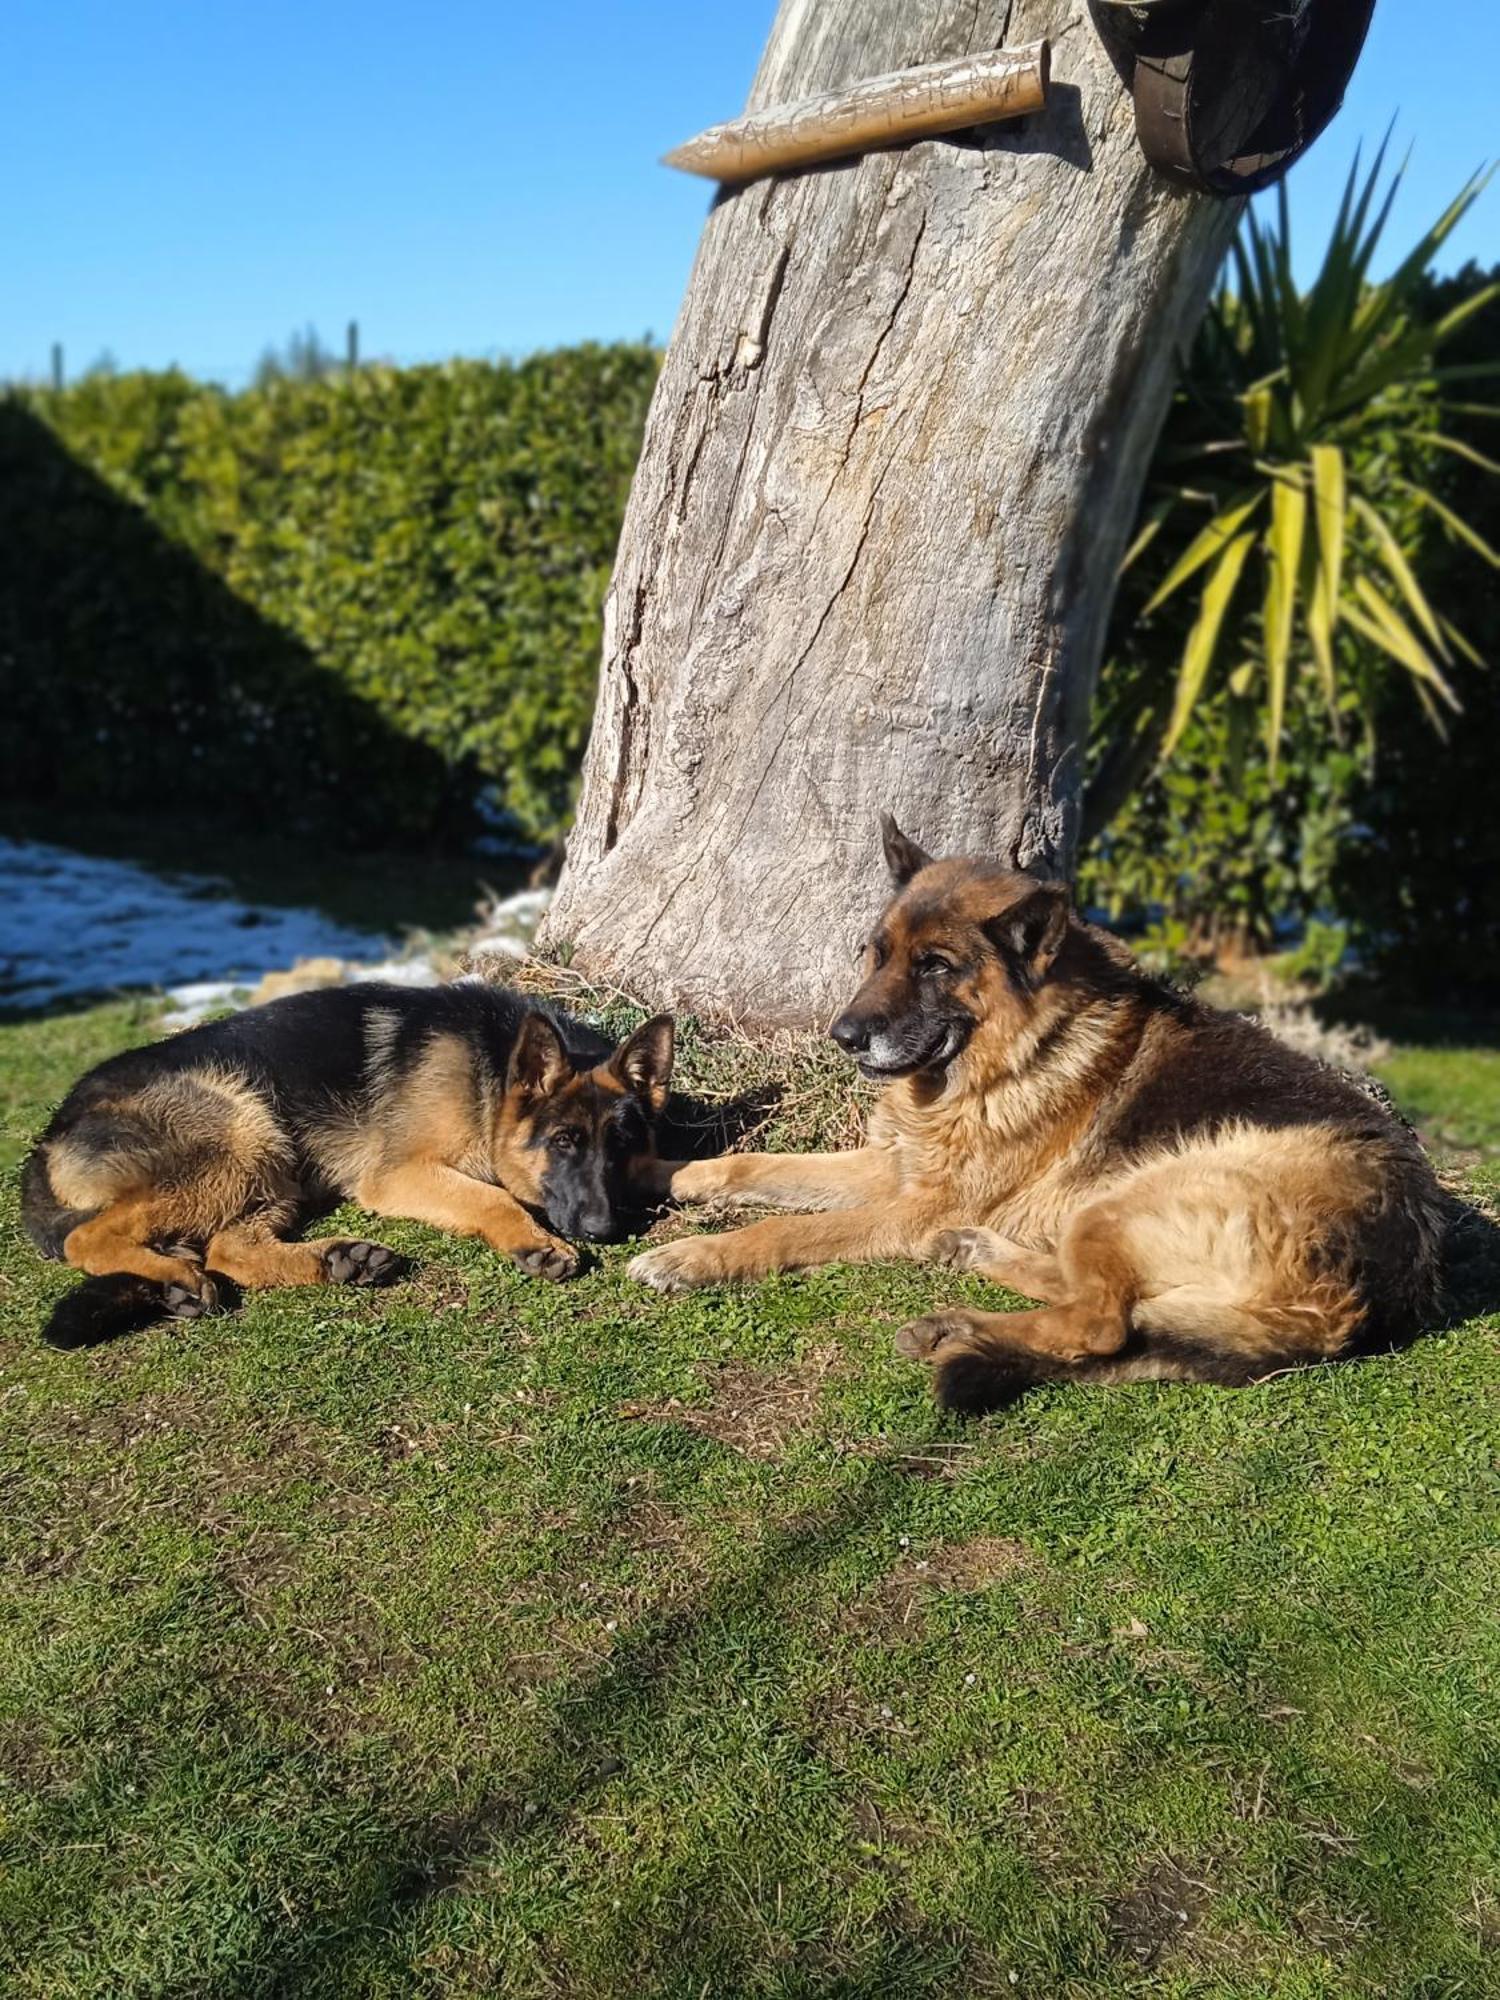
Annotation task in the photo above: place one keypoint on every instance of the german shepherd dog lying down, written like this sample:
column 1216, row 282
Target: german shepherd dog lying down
column 1191, row 1199
column 470, row 1107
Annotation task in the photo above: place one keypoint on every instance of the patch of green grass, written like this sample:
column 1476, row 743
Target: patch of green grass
column 1453, row 1094
column 483, row 1636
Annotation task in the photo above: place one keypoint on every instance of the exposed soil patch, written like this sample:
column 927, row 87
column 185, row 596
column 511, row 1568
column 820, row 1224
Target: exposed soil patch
column 209, row 1483
column 755, row 1411
column 506, row 1424
column 883, row 1830
column 1151, row 1919
column 124, row 1425
column 894, row 1607
column 938, row 1459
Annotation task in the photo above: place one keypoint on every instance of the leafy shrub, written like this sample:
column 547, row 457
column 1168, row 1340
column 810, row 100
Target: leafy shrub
column 1308, row 428
column 1220, row 851
column 1256, row 762
column 346, row 605
column 1319, row 956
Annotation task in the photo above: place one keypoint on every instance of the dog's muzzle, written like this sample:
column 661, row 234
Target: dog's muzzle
column 883, row 1051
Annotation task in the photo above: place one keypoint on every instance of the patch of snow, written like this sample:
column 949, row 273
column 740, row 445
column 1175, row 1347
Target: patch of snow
column 72, row 924
column 509, row 926
column 418, row 971
column 200, row 997
column 75, row 924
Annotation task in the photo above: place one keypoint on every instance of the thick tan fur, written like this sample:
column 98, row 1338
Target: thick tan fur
column 1187, row 1197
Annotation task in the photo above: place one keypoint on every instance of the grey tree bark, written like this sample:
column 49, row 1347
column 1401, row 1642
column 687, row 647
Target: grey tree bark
column 869, row 552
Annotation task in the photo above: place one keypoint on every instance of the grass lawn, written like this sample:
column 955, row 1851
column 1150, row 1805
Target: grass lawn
column 484, row 1637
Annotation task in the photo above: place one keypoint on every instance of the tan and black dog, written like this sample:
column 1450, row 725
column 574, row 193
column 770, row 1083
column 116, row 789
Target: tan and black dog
column 467, row 1106
column 1191, row 1199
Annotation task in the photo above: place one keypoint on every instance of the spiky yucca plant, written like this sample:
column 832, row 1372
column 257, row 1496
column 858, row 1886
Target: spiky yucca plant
column 1286, row 496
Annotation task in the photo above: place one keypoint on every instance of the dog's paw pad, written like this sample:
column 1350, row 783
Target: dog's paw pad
column 358, row 1263
column 548, row 1260
column 920, row 1339
column 190, row 1301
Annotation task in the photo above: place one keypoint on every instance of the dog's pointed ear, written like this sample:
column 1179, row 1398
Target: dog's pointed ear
column 902, row 856
column 644, row 1063
column 538, row 1062
column 1029, row 934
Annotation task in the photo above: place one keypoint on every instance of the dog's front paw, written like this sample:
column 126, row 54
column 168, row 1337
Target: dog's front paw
column 678, row 1267
column 359, row 1263
column 920, row 1339
column 699, row 1180
column 962, row 1249
column 548, row 1259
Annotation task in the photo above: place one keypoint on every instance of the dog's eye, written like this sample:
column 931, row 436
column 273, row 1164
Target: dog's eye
column 932, row 965
column 566, row 1140
column 878, row 952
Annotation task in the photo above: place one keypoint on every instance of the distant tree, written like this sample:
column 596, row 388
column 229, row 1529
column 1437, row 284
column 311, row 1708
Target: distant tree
column 304, row 358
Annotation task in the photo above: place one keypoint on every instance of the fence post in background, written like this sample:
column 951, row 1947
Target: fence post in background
column 57, row 364
column 352, row 346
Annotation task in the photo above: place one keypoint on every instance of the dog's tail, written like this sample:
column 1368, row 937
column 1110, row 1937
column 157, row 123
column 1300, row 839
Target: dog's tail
column 103, row 1308
column 46, row 1220
column 986, row 1372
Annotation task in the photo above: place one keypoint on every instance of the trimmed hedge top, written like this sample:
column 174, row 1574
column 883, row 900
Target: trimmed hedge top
column 345, row 606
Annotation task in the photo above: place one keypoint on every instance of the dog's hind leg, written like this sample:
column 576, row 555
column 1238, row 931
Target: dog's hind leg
column 1035, row 1274
column 120, row 1242
column 253, row 1254
column 984, row 1359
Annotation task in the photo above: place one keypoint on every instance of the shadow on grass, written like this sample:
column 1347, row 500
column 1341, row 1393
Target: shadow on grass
column 154, row 715
column 1471, row 1262
column 573, row 1767
column 1363, row 1003
column 64, row 1006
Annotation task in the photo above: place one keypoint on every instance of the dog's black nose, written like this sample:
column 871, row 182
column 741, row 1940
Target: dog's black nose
column 852, row 1034
column 597, row 1225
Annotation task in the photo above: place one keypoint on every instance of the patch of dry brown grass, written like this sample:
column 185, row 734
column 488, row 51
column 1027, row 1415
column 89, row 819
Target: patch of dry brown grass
column 755, row 1411
column 894, row 1607
column 786, row 1091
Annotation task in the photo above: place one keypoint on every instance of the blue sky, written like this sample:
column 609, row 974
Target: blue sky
column 189, row 182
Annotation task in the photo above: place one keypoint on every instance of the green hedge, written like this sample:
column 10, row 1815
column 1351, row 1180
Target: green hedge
column 346, row 606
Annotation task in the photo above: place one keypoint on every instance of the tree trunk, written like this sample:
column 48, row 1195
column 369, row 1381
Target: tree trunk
column 887, row 479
